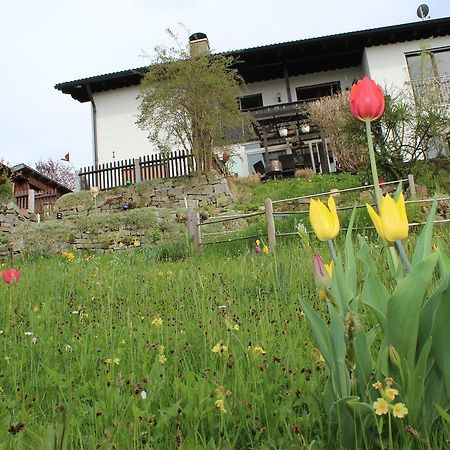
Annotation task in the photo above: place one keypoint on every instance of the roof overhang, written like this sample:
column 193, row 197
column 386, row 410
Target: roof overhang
column 271, row 61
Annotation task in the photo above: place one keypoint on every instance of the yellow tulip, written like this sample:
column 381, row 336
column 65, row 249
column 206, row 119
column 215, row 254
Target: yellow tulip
column 324, row 221
column 392, row 222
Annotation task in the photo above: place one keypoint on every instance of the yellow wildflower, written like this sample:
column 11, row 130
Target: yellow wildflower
column 220, row 406
column 137, row 243
column 389, row 381
column 399, row 410
column 324, row 220
column 256, row 350
column 120, row 245
column 220, row 347
column 265, row 249
column 68, row 255
column 162, row 358
column 381, row 407
column 391, row 393
column 157, row 321
column 378, row 386
column 169, row 273
column 392, row 222
column 258, row 242
column 111, row 361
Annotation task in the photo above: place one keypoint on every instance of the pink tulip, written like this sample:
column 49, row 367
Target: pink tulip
column 258, row 249
column 367, row 100
column 11, row 276
column 322, row 277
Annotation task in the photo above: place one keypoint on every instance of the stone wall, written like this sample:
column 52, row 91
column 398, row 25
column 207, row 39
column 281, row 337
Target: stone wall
column 209, row 190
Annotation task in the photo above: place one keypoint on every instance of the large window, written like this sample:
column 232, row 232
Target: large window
column 316, row 91
column 251, row 101
column 430, row 69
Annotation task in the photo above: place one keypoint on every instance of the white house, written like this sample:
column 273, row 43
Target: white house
column 280, row 79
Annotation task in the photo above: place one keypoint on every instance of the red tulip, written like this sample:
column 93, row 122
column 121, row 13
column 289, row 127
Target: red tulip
column 10, row 276
column 367, row 100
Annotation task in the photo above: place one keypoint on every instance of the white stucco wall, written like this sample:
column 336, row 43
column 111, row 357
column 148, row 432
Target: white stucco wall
column 386, row 64
column 117, row 131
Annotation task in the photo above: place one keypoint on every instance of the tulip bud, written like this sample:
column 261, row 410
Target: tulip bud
column 394, row 356
column 322, row 278
column 367, row 100
column 258, row 249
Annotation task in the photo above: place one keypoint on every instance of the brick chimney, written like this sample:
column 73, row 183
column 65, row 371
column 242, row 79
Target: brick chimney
column 198, row 45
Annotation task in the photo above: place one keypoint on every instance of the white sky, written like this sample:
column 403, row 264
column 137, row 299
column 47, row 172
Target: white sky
column 51, row 41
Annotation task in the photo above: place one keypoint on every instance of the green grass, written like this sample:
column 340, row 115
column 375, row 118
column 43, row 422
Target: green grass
column 77, row 381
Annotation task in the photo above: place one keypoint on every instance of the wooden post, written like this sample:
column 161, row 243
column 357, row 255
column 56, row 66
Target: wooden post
column 412, row 186
column 31, row 200
column 270, row 223
column 77, row 181
column 137, row 170
column 194, row 227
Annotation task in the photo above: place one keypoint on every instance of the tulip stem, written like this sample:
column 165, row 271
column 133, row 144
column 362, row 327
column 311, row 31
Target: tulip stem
column 332, row 250
column 373, row 165
column 402, row 253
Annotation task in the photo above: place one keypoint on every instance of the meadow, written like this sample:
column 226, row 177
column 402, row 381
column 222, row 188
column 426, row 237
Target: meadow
column 172, row 350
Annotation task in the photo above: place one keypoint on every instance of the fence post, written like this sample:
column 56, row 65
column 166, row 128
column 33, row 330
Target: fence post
column 412, row 186
column 137, row 170
column 31, row 200
column 194, row 227
column 77, row 181
column 270, row 223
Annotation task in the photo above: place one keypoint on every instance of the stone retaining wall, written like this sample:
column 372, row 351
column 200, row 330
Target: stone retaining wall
column 205, row 190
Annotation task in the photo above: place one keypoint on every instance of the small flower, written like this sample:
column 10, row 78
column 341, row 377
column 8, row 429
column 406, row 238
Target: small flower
column 143, row 394
column 169, row 273
column 256, row 350
column 265, row 249
column 381, row 406
column 235, row 327
column 220, row 347
column 391, row 393
column 399, row 410
column 68, row 348
column 324, row 220
column 258, row 242
column 28, row 333
column 258, row 249
column 34, row 340
column 220, row 406
column 157, row 321
column 11, row 276
column 137, row 243
column 389, row 381
column 120, row 245
column 111, row 361
column 377, row 385
column 68, row 255
column 162, row 359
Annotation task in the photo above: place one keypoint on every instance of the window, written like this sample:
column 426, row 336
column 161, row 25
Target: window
column 430, row 71
column 251, row 101
column 316, row 91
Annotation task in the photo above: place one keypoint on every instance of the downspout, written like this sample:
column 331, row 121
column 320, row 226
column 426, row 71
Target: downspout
column 94, row 122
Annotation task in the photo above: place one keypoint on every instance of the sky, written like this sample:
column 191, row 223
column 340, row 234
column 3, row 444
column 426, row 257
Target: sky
column 46, row 42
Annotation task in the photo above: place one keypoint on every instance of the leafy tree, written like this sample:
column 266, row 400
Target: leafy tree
column 57, row 171
column 191, row 103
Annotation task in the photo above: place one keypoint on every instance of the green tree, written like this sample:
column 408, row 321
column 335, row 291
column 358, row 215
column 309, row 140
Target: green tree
column 191, row 103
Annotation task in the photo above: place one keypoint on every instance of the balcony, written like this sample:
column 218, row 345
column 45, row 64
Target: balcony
column 439, row 86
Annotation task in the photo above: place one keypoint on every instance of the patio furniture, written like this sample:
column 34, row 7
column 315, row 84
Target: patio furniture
column 259, row 168
column 288, row 165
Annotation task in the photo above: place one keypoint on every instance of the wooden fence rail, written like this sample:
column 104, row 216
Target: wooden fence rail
column 129, row 171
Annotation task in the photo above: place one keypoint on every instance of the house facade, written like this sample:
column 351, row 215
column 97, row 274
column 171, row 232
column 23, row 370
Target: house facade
column 280, row 79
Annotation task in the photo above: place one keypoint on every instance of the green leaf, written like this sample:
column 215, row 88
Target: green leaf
column 375, row 295
column 320, row 331
column 363, row 361
column 350, row 261
column 441, row 337
column 444, row 414
column 423, row 246
column 404, row 308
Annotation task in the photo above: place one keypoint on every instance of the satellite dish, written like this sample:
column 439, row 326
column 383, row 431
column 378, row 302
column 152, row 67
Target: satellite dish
column 422, row 11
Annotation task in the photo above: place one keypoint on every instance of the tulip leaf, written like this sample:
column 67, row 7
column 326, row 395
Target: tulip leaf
column 363, row 361
column 423, row 246
column 444, row 414
column 415, row 393
column 341, row 292
column 398, row 191
column 350, row 262
column 321, row 332
column 441, row 337
column 404, row 308
column 375, row 295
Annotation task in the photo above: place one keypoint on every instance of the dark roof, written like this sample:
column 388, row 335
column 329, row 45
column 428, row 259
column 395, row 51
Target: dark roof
column 268, row 61
column 26, row 171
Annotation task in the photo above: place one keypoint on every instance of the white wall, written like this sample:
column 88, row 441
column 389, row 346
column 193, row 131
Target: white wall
column 117, row 131
column 386, row 64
